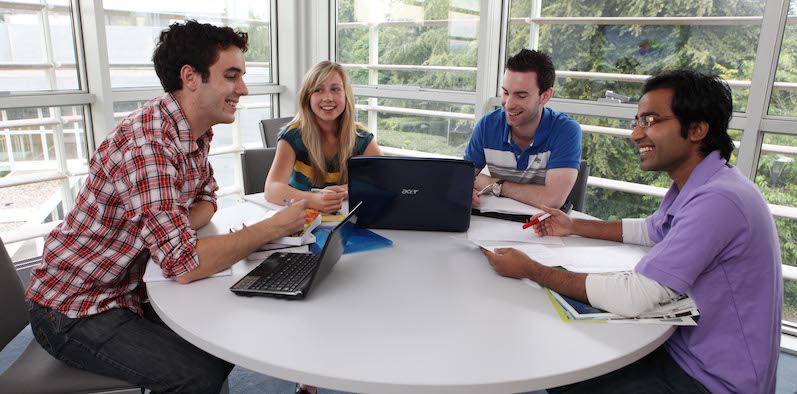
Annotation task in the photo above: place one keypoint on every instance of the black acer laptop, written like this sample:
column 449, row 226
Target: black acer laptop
column 292, row 275
column 406, row 193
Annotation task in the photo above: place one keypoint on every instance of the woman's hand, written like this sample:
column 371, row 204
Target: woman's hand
column 330, row 200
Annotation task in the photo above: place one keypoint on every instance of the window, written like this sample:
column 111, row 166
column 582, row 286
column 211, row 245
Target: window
column 133, row 28
column 37, row 47
column 410, row 48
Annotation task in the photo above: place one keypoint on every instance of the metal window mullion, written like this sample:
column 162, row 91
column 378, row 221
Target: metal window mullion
column 491, row 31
column 534, row 27
column 373, row 74
column 766, row 64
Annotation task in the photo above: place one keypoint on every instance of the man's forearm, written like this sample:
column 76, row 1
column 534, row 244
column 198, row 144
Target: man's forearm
column 534, row 195
column 200, row 213
column 221, row 252
column 571, row 284
column 608, row 230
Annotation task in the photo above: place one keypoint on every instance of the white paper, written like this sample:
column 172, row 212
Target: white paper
column 490, row 203
column 540, row 253
column 506, row 231
column 153, row 273
column 260, row 199
column 595, row 259
column 306, row 238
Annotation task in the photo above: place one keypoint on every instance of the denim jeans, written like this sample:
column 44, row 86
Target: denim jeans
column 121, row 344
column 655, row 373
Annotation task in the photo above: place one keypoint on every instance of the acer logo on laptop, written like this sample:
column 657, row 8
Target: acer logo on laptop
column 409, row 191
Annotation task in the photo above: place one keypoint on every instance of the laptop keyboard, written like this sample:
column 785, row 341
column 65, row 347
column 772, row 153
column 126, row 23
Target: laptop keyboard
column 289, row 274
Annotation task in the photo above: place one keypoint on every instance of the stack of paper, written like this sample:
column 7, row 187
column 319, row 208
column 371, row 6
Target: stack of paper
column 676, row 312
column 490, row 203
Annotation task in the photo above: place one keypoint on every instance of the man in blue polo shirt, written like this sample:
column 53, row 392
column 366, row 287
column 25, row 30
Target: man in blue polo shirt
column 532, row 152
column 712, row 238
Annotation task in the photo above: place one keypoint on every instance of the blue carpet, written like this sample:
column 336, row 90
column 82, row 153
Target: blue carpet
column 244, row 381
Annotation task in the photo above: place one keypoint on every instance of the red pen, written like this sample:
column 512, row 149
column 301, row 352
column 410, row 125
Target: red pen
column 536, row 220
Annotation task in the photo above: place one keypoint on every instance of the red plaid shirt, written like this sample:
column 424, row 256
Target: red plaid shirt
column 134, row 205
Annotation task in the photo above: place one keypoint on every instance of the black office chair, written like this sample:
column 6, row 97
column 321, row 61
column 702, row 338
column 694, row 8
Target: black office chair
column 579, row 191
column 269, row 129
column 36, row 371
column 255, row 164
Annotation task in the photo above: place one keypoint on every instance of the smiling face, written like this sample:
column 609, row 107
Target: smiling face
column 218, row 97
column 661, row 146
column 328, row 101
column 522, row 99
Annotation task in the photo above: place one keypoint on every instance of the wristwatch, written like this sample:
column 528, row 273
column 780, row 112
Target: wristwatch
column 497, row 187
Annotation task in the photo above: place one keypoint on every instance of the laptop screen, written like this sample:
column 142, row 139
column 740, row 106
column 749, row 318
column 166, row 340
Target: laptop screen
column 333, row 248
column 411, row 193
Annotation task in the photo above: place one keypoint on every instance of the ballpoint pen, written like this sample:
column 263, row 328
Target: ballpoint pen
column 536, row 220
column 486, row 188
column 286, row 202
column 316, row 190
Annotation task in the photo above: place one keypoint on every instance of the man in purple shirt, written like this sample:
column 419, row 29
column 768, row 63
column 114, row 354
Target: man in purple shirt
column 712, row 238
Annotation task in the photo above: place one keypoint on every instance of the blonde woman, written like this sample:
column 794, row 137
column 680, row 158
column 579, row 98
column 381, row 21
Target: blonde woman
column 313, row 148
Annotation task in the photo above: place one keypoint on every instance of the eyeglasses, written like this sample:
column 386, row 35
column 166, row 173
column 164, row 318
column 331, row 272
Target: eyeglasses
column 648, row 120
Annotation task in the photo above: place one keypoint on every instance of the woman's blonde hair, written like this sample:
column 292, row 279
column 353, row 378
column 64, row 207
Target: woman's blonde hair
column 311, row 131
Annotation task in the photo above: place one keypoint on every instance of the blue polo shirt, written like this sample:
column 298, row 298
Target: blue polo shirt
column 716, row 241
column 557, row 144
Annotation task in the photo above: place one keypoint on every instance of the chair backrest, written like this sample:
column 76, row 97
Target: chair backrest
column 270, row 128
column 579, row 192
column 13, row 309
column 255, row 164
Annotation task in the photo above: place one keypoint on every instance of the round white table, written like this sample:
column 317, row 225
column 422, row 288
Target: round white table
column 427, row 315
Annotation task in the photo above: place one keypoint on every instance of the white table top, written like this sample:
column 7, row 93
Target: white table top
column 428, row 315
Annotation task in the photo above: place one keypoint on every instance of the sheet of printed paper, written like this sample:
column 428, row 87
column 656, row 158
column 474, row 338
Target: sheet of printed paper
column 507, row 231
column 540, row 253
column 490, row 203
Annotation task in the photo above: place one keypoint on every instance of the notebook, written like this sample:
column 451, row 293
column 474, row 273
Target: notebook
column 292, row 275
column 406, row 193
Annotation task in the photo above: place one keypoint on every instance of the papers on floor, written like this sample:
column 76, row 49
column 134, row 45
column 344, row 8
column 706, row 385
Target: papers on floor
column 507, row 231
column 676, row 312
column 490, row 203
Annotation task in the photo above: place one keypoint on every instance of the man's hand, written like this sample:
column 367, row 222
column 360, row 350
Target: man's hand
column 290, row 220
column 559, row 224
column 329, row 202
column 475, row 199
column 510, row 262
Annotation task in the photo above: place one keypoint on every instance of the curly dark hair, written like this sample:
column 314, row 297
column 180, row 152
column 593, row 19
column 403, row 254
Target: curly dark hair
column 528, row 60
column 195, row 44
column 699, row 97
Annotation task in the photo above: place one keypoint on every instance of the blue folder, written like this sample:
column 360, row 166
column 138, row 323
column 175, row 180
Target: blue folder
column 360, row 240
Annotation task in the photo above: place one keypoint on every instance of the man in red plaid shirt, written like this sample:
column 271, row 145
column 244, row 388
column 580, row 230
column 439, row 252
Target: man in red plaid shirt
column 149, row 188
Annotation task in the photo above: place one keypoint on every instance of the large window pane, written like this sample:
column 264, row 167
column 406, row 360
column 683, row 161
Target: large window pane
column 784, row 93
column 637, row 48
column 441, row 128
column 37, row 47
column 30, row 137
column 429, row 44
column 133, row 28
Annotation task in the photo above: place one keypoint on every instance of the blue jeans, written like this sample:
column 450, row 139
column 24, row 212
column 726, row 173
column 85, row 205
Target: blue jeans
column 655, row 373
column 121, row 344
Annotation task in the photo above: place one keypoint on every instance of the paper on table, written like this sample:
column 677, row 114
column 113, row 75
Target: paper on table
column 505, row 231
column 595, row 259
column 153, row 273
column 539, row 253
column 260, row 199
column 490, row 203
